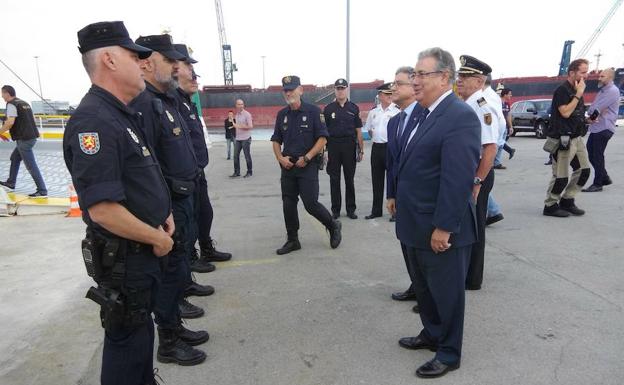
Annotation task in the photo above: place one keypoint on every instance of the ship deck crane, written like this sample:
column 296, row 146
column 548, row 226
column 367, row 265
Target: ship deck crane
column 226, row 49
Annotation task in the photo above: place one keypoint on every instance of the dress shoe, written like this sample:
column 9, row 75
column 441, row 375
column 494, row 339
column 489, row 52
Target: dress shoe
column 372, row 216
column 249, row 173
column 335, row 234
column 235, row 175
column 493, row 219
column 10, row 186
column 198, row 290
column 38, row 194
column 392, row 219
column 499, row 167
column 192, row 338
column 415, row 343
column 592, row 188
column 189, row 311
column 211, row 254
column 569, row 206
column 335, row 215
column 416, row 309
column 289, row 246
column 512, row 152
column 607, row 181
column 435, row 368
column 555, row 211
column 403, row 296
column 473, row 287
column 172, row 349
column 352, row 215
column 200, row 265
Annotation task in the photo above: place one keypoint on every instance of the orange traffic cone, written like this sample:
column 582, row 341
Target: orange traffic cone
column 74, row 207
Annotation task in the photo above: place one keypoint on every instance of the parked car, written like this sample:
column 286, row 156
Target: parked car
column 531, row 116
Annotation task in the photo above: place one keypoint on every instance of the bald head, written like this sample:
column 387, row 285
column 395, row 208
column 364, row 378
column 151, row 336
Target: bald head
column 606, row 76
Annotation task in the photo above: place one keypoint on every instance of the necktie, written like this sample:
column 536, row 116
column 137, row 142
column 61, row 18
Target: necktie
column 421, row 119
column 402, row 116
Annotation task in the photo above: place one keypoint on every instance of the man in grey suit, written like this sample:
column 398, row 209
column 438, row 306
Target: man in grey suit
column 435, row 209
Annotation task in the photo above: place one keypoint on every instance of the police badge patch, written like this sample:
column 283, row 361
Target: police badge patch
column 487, row 118
column 89, row 142
column 169, row 116
column 322, row 118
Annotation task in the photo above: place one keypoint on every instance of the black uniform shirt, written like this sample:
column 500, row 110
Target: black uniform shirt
column 573, row 125
column 298, row 130
column 188, row 110
column 167, row 132
column 342, row 121
column 109, row 159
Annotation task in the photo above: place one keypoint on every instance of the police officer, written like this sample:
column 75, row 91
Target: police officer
column 345, row 146
column 471, row 78
column 187, row 86
column 300, row 130
column 165, row 130
column 124, row 198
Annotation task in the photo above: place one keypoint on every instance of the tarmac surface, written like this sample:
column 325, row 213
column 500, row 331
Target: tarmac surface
column 550, row 311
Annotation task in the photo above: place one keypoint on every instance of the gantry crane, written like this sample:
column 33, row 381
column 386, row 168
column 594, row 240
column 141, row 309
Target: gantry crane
column 226, row 49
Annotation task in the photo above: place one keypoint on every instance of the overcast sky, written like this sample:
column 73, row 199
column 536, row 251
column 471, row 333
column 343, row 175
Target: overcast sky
column 308, row 38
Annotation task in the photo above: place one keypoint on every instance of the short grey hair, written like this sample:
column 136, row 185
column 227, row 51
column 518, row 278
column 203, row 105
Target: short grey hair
column 405, row 70
column 89, row 59
column 444, row 60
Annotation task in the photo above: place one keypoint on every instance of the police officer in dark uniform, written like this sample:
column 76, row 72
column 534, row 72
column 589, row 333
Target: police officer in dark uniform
column 345, row 146
column 124, row 198
column 300, row 130
column 187, row 86
column 166, row 132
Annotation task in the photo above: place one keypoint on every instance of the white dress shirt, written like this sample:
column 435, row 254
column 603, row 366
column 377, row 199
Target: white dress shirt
column 377, row 121
column 486, row 113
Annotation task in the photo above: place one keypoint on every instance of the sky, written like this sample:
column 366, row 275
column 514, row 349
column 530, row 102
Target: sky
column 308, row 38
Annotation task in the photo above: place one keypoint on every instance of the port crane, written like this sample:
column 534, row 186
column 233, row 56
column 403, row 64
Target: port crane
column 226, row 50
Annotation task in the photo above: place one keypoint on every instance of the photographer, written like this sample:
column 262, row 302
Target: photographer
column 568, row 126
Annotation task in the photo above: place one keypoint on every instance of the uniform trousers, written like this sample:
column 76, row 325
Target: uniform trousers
column 474, row 278
column 378, row 176
column 341, row 154
column 596, row 145
column 560, row 185
column 127, row 357
column 439, row 288
column 177, row 270
column 204, row 212
column 302, row 182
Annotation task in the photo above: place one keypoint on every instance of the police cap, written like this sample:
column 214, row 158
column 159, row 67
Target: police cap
column 291, row 82
column 341, row 83
column 385, row 88
column 183, row 49
column 162, row 44
column 107, row 34
column 473, row 66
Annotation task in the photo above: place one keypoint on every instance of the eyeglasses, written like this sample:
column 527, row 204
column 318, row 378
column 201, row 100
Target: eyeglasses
column 422, row 75
column 399, row 83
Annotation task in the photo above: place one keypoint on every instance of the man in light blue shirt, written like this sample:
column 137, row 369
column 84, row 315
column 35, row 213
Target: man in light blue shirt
column 607, row 103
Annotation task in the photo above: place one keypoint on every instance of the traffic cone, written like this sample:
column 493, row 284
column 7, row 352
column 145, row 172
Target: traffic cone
column 74, row 207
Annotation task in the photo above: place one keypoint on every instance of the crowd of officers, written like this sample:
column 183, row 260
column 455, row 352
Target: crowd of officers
column 136, row 151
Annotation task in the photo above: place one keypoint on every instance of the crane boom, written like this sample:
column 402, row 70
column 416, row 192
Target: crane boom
column 226, row 49
column 592, row 39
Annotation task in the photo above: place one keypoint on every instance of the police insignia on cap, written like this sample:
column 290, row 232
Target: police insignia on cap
column 169, row 116
column 462, row 60
column 89, row 142
column 487, row 118
column 177, row 131
column 286, row 80
column 133, row 135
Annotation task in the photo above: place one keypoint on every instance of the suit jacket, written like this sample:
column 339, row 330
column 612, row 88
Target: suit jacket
column 435, row 177
column 393, row 149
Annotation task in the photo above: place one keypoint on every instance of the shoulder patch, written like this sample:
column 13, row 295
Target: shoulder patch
column 481, row 101
column 487, row 118
column 89, row 142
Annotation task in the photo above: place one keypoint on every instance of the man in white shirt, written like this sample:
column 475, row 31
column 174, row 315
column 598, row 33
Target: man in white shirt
column 470, row 81
column 377, row 127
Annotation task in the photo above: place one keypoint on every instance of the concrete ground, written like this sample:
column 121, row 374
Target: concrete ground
column 550, row 311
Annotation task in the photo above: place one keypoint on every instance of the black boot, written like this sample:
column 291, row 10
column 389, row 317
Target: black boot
column 290, row 245
column 335, row 234
column 569, row 206
column 192, row 338
column 172, row 349
column 200, row 265
column 555, row 211
column 196, row 289
column 210, row 254
column 188, row 310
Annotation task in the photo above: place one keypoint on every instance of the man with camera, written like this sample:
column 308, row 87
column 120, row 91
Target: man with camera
column 568, row 125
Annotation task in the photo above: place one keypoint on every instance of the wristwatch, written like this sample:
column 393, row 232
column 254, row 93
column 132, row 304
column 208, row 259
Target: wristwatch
column 477, row 181
column 306, row 159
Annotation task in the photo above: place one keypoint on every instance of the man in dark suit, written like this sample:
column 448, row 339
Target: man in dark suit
column 404, row 97
column 435, row 209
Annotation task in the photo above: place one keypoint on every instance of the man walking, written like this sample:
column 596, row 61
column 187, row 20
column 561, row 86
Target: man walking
column 20, row 122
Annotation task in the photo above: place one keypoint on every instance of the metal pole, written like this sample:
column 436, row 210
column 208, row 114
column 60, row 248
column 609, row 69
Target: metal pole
column 348, row 75
column 263, row 78
column 39, row 77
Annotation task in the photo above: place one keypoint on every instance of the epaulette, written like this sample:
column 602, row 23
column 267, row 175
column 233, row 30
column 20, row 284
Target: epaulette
column 481, row 101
